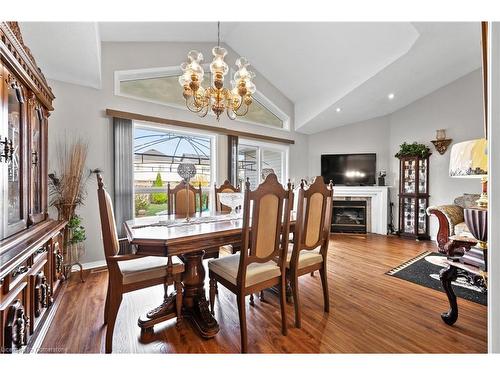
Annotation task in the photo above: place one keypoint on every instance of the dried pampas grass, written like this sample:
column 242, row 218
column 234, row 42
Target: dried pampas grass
column 67, row 186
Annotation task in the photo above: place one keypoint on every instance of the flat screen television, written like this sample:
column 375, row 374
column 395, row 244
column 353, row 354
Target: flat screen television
column 349, row 169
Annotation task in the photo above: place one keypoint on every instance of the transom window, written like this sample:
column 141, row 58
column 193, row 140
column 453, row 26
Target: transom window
column 161, row 86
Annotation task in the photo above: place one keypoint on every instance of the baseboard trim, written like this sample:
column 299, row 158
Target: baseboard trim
column 95, row 264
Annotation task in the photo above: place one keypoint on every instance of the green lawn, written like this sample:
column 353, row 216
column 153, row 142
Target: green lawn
column 153, row 209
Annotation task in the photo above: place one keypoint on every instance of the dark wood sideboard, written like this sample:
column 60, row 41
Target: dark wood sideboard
column 31, row 247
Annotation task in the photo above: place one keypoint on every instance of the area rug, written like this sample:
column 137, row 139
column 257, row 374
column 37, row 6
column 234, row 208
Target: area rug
column 424, row 270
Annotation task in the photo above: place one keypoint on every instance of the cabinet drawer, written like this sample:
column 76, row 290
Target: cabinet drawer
column 14, row 320
column 40, row 253
column 19, row 274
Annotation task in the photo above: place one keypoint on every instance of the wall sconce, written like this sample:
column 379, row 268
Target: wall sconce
column 441, row 142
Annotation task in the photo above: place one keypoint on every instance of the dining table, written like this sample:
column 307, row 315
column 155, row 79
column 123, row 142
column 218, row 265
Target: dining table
column 187, row 238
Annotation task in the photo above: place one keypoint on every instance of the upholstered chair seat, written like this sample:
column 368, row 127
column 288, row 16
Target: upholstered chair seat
column 227, row 267
column 147, row 268
column 306, row 257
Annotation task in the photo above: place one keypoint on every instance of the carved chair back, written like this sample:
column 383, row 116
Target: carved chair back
column 108, row 223
column 180, row 199
column 226, row 187
column 266, row 225
column 314, row 217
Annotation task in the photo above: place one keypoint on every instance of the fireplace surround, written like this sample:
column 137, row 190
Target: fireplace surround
column 377, row 198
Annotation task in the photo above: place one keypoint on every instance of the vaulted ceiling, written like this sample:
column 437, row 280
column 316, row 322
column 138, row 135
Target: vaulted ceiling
column 335, row 73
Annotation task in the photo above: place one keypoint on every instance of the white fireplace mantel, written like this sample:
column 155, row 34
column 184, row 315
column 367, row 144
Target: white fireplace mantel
column 379, row 203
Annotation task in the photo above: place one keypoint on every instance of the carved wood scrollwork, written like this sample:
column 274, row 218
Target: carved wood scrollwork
column 443, row 232
column 15, row 85
column 14, row 27
column 59, row 261
column 39, row 251
column 12, row 41
column 31, row 99
column 16, row 327
column 19, row 271
column 43, row 294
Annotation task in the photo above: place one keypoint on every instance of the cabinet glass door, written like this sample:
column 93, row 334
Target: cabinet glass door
column 14, row 207
column 409, row 171
column 36, row 122
column 422, row 176
column 408, row 215
column 422, row 216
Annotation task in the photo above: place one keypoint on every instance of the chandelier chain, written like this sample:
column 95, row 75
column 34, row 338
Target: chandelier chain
column 218, row 33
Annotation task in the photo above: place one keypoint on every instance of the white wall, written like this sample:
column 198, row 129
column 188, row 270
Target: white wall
column 369, row 136
column 494, row 194
column 80, row 110
column 456, row 107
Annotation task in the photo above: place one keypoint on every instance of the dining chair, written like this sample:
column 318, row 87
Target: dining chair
column 130, row 272
column 308, row 252
column 261, row 262
column 226, row 187
column 179, row 204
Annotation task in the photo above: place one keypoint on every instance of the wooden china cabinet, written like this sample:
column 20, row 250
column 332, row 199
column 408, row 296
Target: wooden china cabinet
column 414, row 197
column 30, row 243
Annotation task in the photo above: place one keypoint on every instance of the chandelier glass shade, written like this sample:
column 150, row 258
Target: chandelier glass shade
column 217, row 98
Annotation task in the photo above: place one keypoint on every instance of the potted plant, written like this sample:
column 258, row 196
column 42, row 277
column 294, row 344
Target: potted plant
column 75, row 248
column 413, row 149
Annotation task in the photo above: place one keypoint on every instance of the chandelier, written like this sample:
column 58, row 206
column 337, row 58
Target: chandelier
column 235, row 101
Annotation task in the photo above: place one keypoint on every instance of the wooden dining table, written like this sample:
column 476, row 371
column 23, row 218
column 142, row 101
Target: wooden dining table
column 168, row 235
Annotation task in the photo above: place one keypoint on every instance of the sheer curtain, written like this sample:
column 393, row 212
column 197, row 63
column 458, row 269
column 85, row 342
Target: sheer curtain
column 123, row 133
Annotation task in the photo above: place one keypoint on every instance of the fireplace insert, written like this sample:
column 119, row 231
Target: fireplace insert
column 349, row 216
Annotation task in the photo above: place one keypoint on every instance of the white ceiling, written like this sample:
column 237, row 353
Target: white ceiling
column 66, row 51
column 162, row 31
column 318, row 66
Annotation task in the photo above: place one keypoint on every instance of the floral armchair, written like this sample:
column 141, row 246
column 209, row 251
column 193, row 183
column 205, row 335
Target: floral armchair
column 451, row 218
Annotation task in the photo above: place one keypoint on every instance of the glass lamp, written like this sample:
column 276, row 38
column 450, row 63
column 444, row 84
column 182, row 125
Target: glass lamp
column 469, row 159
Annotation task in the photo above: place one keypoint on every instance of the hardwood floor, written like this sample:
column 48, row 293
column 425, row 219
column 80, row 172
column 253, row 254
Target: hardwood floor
column 370, row 312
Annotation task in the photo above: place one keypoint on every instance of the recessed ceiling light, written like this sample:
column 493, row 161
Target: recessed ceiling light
column 390, row 96
column 338, row 109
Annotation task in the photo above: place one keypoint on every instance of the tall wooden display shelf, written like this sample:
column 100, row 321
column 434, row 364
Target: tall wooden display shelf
column 414, row 197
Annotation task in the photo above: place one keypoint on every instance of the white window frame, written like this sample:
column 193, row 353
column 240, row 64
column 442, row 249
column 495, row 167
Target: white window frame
column 261, row 146
column 169, row 71
column 175, row 129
